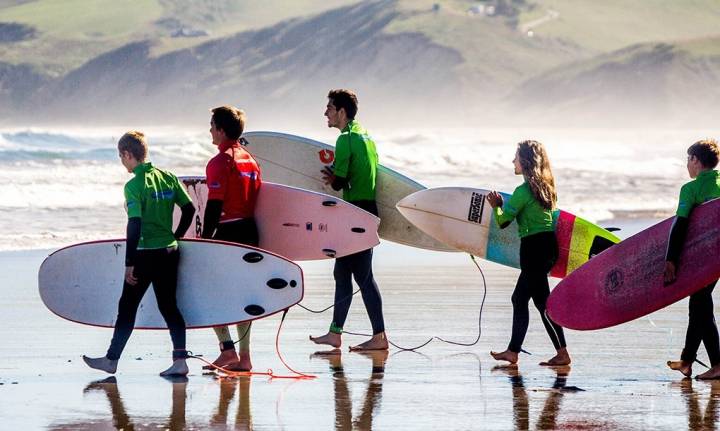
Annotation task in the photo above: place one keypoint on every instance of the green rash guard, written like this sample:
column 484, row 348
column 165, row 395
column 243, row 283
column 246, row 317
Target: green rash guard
column 151, row 195
column 356, row 160
column 531, row 217
column 704, row 187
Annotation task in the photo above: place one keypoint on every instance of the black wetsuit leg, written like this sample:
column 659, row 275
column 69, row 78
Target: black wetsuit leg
column 538, row 254
column 358, row 266
column 159, row 267
column 702, row 327
column 242, row 231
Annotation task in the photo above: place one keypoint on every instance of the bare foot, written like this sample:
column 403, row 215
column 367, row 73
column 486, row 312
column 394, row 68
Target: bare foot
column 377, row 342
column 102, row 364
column 178, row 368
column 561, row 358
column 243, row 364
column 684, row 367
column 510, row 356
column 329, row 339
column 711, row 374
column 226, row 357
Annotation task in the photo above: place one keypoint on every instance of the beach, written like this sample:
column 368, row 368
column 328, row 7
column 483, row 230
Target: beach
column 618, row 378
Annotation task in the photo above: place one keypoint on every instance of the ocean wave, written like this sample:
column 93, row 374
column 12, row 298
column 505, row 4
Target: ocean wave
column 60, row 188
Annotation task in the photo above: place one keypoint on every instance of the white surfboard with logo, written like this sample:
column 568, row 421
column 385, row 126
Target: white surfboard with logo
column 298, row 162
column 297, row 224
column 219, row 283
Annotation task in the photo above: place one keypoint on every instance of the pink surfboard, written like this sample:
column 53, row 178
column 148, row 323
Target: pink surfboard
column 626, row 281
column 298, row 224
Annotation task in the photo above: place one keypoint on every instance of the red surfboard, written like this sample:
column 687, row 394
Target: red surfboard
column 625, row 281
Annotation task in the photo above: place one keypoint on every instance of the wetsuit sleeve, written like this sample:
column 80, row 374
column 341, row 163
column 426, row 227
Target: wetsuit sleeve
column 133, row 201
column 339, row 183
column 686, row 202
column 188, row 211
column 182, row 197
column 216, row 174
column 213, row 211
column 342, row 157
column 677, row 239
column 134, row 227
column 511, row 208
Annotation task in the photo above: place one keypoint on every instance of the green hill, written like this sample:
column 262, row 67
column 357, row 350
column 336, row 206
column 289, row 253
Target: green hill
column 546, row 60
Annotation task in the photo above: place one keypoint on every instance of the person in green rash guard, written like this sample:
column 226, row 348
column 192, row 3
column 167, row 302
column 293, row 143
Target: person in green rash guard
column 531, row 204
column 151, row 253
column 702, row 159
column 355, row 173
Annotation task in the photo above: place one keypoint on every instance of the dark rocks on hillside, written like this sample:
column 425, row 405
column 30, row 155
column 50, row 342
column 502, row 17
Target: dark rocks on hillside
column 11, row 32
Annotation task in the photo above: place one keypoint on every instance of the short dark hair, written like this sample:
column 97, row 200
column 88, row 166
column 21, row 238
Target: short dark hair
column 344, row 99
column 134, row 142
column 706, row 151
column 230, row 120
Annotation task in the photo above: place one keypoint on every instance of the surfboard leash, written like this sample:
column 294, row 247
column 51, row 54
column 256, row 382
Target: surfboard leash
column 482, row 305
column 269, row 373
column 329, row 306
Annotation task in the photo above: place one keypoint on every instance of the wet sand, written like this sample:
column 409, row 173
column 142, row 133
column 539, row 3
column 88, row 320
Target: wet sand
column 618, row 379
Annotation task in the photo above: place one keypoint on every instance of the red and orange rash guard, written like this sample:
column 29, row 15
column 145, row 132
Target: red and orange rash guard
column 233, row 177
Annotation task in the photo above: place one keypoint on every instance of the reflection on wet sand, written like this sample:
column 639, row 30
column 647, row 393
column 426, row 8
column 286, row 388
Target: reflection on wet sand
column 120, row 417
column 176, row 421
column 243, row 417
column 521, row 405
column 697, row 420
column 343, row 400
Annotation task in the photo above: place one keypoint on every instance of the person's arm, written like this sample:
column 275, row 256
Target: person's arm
column 134, row 227
column 216, row 174
column 213, row 211
column 133, row 204
column 186, row 218
column 338, row 177
column 678, row 232
column 506, row 212
column 337, row 183
column 182, row 199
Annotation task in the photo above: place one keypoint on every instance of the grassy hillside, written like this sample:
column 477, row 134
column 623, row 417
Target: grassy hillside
column 609, row 25
column 568, row 56
column 71, row 32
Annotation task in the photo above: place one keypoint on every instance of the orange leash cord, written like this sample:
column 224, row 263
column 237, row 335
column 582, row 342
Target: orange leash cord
column 269, row 372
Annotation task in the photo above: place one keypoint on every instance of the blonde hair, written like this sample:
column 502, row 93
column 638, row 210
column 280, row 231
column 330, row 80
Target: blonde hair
column 536, row 170
column 134, row 142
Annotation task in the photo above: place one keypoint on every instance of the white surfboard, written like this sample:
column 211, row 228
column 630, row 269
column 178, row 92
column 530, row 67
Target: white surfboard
column 219, row 283
column 461, row 218
column 298, row 162
column 298, row 224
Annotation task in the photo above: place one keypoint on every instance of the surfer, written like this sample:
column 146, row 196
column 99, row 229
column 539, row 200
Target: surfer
column 354, row 172
column 233, row 179
column 151, row 255
column 532, row 204
column 701, row 162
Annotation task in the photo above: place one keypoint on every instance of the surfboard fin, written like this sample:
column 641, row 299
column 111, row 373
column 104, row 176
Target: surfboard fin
column 329, row 203
column 612, row 229
column 329, row 252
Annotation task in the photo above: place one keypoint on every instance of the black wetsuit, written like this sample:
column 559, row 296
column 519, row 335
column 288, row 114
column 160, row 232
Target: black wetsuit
column 359, row 266
column 538, row 254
